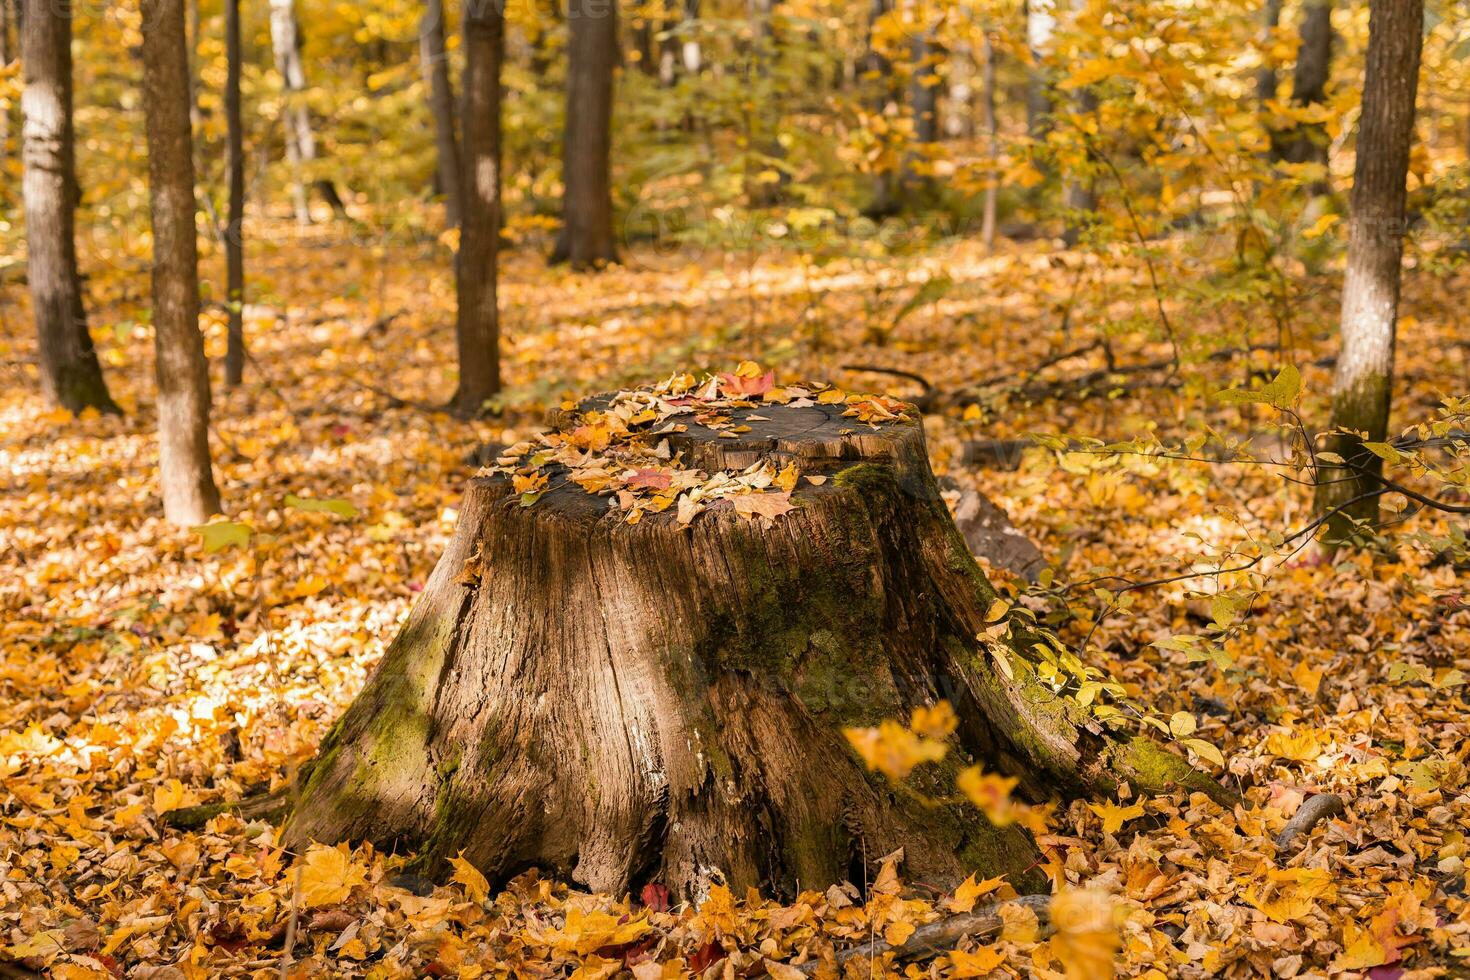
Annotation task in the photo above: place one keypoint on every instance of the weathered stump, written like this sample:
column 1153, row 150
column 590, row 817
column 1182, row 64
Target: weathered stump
column 622, row 670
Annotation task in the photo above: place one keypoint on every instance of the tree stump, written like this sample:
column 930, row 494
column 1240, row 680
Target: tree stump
column 614, row 682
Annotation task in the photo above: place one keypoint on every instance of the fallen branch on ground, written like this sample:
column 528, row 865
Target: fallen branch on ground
column 944, row 934
column 1313, row 811
column 261, row 806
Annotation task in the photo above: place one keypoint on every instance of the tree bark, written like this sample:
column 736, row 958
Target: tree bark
column 764, row 117
column 992, row 141
column 1080, row 196
column 1266, row 80
column 477, row 324
column 70, row 374
column 235, row 228
column 189, row 494
column 1308, row 143
column 587, row 240
column 626, row 703
column 1362, row 385
column 1041, row 24
column 885, row 200
column 7, row 54
column 435, row 66
column 300, row 138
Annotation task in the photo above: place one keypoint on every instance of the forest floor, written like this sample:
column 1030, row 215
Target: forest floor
column 139, row 674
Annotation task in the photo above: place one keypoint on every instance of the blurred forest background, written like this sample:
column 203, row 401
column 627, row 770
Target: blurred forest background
column 327, row 253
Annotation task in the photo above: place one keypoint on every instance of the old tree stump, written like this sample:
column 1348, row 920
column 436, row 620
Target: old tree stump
column 636, row 659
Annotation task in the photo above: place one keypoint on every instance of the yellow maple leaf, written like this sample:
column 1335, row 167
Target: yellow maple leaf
column 938, row 721
column 982, row 962
column 892, row 749
column 1290, row 893
column 475, row 885
column 1115, row 816
column 172, row 795
column 1304, row 747
column 1360, row 950
column 990, row 792
column 969, row 890
column 308, row 585
column 328, row 875
column 898, row 933
column 1087, row 938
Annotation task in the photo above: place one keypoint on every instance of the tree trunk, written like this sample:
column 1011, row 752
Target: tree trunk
column 70, row 374
column 189, row 494
column 300, row 139
column 586, row 240
column 235, row 229
column 477, row 325
column 1266, row 80
column 918, row 189
column 1041, row 24
column 1079, row 197
column 992, row 141
column 435, row 66
column 764, row 116
column 624, row 703
column 1362, row 385
column 7, row 54
column 1308, row 143
column 885, row 201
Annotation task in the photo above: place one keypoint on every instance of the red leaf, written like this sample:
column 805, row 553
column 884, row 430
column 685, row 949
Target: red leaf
column 708, row 954
column 655, row 896
column 652, row 479
column 736, row 385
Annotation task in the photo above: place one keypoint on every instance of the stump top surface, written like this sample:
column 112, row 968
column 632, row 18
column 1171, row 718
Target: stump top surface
column 730, row 441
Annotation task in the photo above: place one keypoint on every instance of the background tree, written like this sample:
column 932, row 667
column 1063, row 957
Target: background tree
column 235, row 228
column 1266, row 80
column 70, row 374
column 189, row 493
column 1362, row 386
column 1307, row 142
column 7, row 54
column 300, row 137
column 434, row 61
column 587, row 238
column 477, row 325
column 1041, row 24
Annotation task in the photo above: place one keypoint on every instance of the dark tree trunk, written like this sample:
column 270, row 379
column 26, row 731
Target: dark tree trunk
column 924, row 90
column 7, row 55
column 587, row 240
column 70, row 374
column 477, row 324
column 992, row 141
column 435, row 65
column 623, row 703
column 189, row 494
column 1266, row 80
column 885, row 200
column 1080, row 197
column 1362, row 386
column 765, row 113
column 643, row 44
column 300, row 138
column 1308, row 143
column 235, row 229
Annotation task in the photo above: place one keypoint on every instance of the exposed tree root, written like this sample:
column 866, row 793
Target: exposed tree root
column 1313, row 811
column 944, row 934
column 261, row 806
